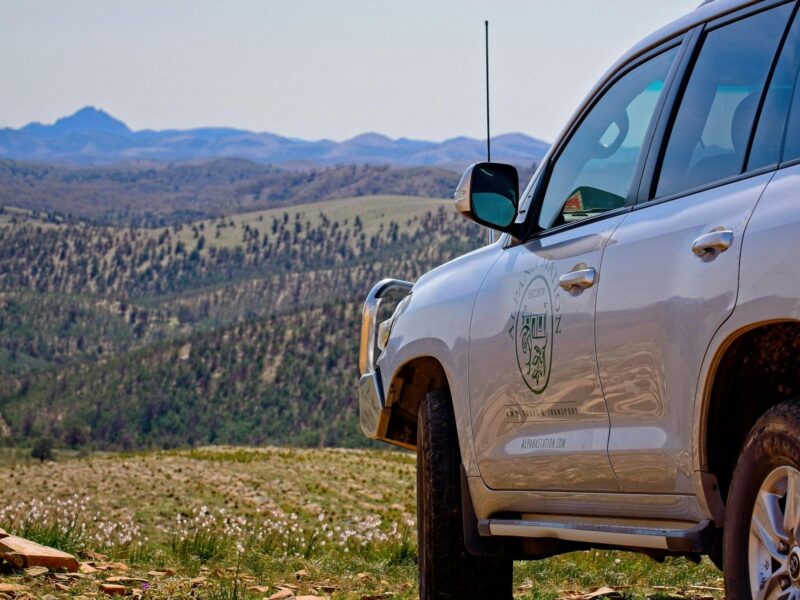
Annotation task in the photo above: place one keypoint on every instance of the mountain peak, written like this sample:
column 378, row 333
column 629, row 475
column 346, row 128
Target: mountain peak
column 371, row 139
column 90, row 118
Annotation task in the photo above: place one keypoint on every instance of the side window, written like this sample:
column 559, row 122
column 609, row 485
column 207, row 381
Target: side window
column 768, row 141
column 711, row 132
column 791, row 150
column 595, row 170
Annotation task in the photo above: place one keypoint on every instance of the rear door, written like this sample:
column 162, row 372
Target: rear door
column 539, row 418
column 670, row 271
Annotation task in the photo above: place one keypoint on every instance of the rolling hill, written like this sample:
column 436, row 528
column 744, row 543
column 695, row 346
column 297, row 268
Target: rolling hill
column 237, row 329
column 162, row 194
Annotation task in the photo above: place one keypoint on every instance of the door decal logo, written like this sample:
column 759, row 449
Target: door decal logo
column 533, row 333
column 534, row 345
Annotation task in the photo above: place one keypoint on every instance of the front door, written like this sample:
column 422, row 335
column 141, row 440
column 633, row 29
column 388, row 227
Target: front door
column 539, row 418
column 538, row 413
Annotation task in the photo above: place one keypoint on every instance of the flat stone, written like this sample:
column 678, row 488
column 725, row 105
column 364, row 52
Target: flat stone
column 13, row 588
column 600, row 593
column 113, row 589
column 121, row 579
column 261, row 589
column 22, row 553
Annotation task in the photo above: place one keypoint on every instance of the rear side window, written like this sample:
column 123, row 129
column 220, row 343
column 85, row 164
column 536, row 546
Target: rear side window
column 712, row 128
column 792, row 146
column 768, row 141
column 785, row 96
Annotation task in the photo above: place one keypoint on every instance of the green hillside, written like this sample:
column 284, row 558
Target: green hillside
column 240, row 329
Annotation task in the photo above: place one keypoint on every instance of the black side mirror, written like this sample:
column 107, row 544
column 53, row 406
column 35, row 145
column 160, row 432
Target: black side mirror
column 488, row 194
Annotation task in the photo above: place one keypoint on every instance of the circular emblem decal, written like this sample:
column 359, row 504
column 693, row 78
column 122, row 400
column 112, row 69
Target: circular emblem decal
column 533, row 333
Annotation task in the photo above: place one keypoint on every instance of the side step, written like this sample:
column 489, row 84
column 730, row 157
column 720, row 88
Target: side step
column 699, row 538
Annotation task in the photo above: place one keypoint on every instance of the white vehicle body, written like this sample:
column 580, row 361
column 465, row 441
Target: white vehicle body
column 603, row 371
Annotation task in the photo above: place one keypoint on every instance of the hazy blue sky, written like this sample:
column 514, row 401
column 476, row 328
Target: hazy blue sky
column 314, row 69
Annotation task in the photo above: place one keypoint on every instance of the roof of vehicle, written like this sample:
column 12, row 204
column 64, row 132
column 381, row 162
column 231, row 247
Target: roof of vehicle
column 708, row 10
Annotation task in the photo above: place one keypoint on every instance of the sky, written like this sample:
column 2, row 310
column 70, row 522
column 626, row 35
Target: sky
column 316, row 69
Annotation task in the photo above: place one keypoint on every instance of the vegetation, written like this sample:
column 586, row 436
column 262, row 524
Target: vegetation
column 229, row 330
column 246, row 523
column 157, row 194
column 43, row 449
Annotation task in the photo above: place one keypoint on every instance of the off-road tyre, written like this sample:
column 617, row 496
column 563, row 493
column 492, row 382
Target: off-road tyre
column 772, row 446
column 446, row 569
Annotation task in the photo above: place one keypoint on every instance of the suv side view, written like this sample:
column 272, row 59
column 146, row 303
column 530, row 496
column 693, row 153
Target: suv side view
column 621, row 368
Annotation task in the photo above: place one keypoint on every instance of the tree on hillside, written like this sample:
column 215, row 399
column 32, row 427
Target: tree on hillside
column 43, row 449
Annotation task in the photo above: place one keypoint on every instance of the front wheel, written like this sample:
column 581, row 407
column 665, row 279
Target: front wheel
column 761, row 541
column 446, row 569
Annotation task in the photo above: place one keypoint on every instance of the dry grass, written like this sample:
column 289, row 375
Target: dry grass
column 198, row 515
column 374, row 212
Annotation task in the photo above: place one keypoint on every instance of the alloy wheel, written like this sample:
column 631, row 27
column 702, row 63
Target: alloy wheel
column 774, row 541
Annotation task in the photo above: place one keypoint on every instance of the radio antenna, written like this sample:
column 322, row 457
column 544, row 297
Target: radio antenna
column 488, row 137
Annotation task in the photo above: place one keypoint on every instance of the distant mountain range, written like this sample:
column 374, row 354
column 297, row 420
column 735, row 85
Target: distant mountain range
column 93, row 137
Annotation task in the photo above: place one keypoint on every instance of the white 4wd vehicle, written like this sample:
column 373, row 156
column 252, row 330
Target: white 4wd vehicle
column 622, row 367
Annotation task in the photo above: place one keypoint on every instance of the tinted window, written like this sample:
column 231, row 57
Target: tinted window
column 712, row 129
column 594, row 172
column 792, row 145
column 769, row 137
column 787, row 74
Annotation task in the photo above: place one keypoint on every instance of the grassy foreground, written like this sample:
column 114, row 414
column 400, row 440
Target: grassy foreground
column 270, row 522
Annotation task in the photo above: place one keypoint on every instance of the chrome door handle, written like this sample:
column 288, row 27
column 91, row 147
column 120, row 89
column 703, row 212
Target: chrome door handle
column 715, row 241
column 579, row 278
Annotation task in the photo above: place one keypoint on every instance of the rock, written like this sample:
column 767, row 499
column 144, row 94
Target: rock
column 110, row 566
column 601, row 593
column 301, row 573
column 329, row 587
column 261, row 589
column 3, row 533
column 281, row 595
column 36, row 571
column 121, row 579
column 287, row 586
column 22, row 553
column 86, row 568
column 13, row 588
column 112, row 589
column 311, row 598
column 48, row 597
